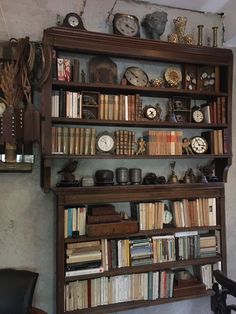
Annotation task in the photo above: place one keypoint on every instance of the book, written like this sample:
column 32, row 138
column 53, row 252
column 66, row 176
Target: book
column 86, row 271
column 60, row 69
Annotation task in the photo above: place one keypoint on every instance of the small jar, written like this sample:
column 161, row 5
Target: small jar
column 122, row 175
column 135, row 175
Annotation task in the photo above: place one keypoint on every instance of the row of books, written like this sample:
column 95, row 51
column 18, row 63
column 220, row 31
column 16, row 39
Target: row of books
column 111, row 107
column 120, row 107
column 66, row 104
column 217, row 141
column 73, row 141
column 97, row 256
column 215, row 111
column 149, row 215
column 74, row 221
column 123, row 288
column 125, row 142
column 65, row 69
column 191, row 245
column 206, row 273
column 163, row 142
column 198, row 212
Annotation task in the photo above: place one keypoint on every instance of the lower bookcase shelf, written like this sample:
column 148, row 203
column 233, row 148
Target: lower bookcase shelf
column 137, row 304
column 113, row 276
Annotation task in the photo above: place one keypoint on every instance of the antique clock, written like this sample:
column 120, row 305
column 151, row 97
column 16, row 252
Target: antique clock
column 105, row 143
column 198, row 145
column 136, row 76
column 73, row 20
column 197, row 114
column 168, row 217
column 126, row 25
column 152, row 112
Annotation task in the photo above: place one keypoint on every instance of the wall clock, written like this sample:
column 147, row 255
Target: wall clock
column 126, row 25
column 136, row 76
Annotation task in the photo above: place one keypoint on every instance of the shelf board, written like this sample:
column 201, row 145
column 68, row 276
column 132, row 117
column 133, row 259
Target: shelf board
column 151, row 91
column 112, row 308
column 143, row 123
column 149, row 267
column 16, row 167
column 195, row 156
column 148, row 233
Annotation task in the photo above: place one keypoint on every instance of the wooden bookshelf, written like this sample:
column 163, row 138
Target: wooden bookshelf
column 142, row 50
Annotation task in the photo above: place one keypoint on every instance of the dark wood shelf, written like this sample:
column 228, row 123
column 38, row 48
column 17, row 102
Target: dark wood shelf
column 137, row 304
column 150, row 91
column 195, row 156
column 149, row 267
column 183, row 56
column 97, row 194
column 141, row 124
column 148, row 233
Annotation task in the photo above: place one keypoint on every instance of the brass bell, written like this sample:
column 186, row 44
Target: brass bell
column 173, row 178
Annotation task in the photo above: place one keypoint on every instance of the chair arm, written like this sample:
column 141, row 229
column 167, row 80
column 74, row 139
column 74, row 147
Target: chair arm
column 34, row 310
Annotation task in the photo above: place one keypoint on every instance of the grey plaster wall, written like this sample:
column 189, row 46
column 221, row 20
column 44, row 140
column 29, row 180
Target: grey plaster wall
column 27, row 215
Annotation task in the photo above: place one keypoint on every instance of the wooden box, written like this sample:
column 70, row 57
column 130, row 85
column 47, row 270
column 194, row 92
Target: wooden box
column 113, row 228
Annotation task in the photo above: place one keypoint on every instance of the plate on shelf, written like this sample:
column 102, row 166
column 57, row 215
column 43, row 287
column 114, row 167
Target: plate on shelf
column 173, row 76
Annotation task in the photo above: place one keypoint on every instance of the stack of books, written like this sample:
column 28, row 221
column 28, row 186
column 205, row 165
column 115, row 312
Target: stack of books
column 141, row 252
column 83, row 258
column 208, row 246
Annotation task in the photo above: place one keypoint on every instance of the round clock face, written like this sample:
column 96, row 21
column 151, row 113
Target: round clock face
column 105, row 143
column 199, row 145
column 125, row 24
column 167, row 216
column 2, row 108
column 198, row 116
column 73, row 21
column 136, row 76
column 150, row 112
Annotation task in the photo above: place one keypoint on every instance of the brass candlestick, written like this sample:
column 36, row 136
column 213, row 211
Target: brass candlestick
column 200, row 30
column 214, row 29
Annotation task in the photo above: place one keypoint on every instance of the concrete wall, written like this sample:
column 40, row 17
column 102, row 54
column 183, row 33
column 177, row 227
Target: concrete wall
column 27, row 223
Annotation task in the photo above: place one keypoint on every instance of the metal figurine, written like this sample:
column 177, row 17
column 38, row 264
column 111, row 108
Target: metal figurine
column 200, row 31
column 214, row 29
column 141, row 146
column 83, row 76
column 173, row 177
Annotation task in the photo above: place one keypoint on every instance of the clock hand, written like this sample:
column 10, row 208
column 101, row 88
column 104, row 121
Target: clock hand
column 127, row 25
column 133, row 74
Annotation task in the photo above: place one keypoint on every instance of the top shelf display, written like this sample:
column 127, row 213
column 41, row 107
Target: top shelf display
column 120, row 72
